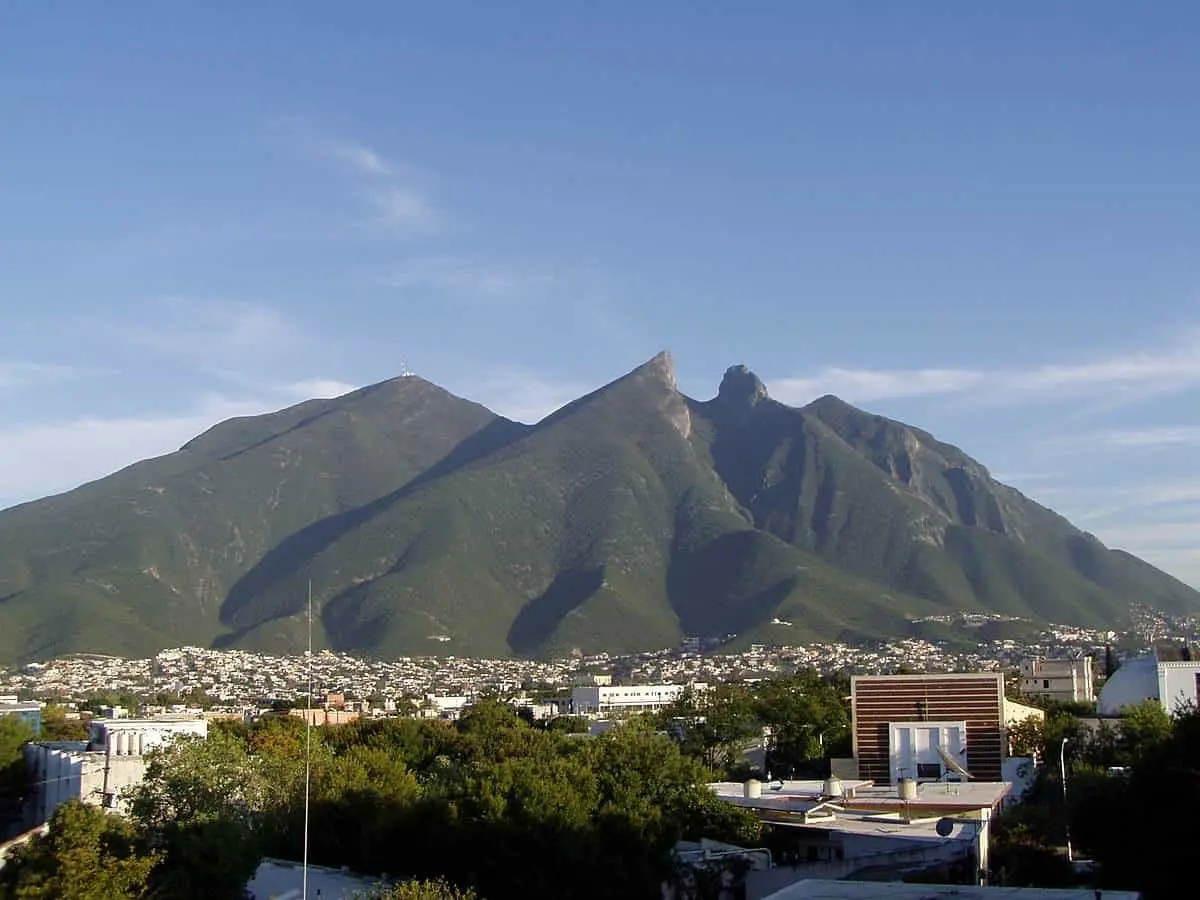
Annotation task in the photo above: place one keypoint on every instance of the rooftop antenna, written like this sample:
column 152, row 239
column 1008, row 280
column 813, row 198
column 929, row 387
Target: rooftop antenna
column 307, row 750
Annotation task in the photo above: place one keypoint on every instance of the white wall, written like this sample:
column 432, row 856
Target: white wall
column 911, row 744
column 1177, row 685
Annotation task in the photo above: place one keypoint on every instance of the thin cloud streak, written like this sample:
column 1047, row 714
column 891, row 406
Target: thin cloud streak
column 397, row 204
column 14, row 374
column 467, row 277
column 523, row 396
column 401, row 208
column 359, row 158
column 40, row 459
column 213, row 330
column 319, row 389
column 1175, row 368
column 1152, row 438
column 46, row 458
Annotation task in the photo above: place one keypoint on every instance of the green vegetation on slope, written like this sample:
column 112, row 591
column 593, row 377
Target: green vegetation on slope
column 628, row 518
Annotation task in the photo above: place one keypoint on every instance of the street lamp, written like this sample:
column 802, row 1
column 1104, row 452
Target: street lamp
column 1062, row 765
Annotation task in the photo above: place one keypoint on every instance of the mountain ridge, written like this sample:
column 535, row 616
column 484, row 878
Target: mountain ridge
column 621, row 521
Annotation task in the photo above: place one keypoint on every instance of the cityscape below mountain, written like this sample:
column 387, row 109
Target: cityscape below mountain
column 631, row 517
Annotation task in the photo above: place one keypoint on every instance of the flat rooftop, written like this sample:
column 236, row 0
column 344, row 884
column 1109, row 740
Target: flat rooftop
column 796, row 797
column 281, row 880
column 892, row 890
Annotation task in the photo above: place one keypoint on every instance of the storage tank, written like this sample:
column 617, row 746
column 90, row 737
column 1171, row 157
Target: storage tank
column 753, row 789
column 833, row 787
column 907, row 789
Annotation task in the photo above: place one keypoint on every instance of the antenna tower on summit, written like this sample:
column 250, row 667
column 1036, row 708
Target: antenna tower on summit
column 405, row 371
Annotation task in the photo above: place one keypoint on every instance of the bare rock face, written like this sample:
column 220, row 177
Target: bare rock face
column 741, row 388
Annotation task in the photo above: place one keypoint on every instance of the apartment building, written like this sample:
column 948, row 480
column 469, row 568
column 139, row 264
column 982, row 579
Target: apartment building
column 603, row 700
column 98, row 771
column 1069, row 680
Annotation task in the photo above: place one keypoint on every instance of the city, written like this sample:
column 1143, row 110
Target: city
column 238, row 678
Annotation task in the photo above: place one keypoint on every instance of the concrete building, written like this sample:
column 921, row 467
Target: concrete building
column 842, row 829
column 1068, row 680
column 98, row 771
column 277, row 879
column 603, row 700
column 440, row 706
column 324, row 715
column 930, row 727
column 1170, row 675
column 30, row 713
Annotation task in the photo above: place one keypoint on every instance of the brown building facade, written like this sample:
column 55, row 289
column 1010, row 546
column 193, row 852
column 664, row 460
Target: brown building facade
column 880, row 701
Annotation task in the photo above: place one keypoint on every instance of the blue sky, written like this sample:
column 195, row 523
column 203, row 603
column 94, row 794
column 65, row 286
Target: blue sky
column 984, row 221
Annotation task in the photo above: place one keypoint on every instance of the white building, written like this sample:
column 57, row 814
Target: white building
column 1170, row 675
column 836, row 829
column 1069, row 680
column 99, row 770
column 439, row 706
column 627, row 698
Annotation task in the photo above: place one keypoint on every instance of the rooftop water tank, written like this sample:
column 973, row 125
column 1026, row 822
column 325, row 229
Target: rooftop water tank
column 906, row 789
column 833, row 787
column 753, row 789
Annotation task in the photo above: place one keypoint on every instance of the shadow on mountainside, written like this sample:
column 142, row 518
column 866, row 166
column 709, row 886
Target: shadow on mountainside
column 538, row 618
column 239, row 610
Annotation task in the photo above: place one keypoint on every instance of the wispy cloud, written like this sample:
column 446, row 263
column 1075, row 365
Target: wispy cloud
column 467, row 276
column 1150, row 438
column 522, row 396
column 318, row 389
column 214, row 330
column 856, row 385
column 401, row 208
column 1173, row 368
column 14, row 374
column 49, row 457
column 38, row 459
column 359, row 158
column 392, row 191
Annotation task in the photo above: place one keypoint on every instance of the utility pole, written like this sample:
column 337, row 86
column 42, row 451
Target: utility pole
column 1062, row 765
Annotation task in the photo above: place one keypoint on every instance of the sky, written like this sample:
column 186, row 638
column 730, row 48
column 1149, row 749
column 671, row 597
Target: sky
column 980, row 219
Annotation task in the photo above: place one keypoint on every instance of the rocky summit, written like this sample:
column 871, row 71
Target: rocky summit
column 627, row 519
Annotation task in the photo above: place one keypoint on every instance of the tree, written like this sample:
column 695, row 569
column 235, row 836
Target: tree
column 57, row 727
column 196, row 803
column 85, row 855
column 433, row 889
column 1027, row 738
column 15, row 732
column 1144, row 728
column 1139, row 826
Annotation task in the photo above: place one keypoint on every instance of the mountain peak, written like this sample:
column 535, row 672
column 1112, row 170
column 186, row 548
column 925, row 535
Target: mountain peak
column 659, row 366
column 741, row 387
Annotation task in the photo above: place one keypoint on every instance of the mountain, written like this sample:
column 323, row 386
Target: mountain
column 632, row 516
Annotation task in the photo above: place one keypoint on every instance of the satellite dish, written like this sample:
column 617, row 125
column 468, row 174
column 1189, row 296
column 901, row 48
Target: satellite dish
column 944, row 827
column 952, row 764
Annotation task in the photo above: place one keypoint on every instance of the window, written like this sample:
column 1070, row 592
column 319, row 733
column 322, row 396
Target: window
column 929, row 770
column 1046, row 682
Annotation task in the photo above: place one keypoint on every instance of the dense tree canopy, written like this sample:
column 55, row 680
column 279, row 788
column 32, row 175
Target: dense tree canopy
column 85, row 855
column 487, row 804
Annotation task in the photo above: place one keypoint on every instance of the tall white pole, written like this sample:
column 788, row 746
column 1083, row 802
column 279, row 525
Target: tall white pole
column 307, row 748
column 1062, row 766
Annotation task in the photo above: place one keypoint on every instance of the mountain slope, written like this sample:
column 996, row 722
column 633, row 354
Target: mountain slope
column 145, row 557
column 628, row 518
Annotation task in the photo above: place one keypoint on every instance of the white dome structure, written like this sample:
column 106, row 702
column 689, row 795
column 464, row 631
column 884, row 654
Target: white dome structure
column 1134, row 682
